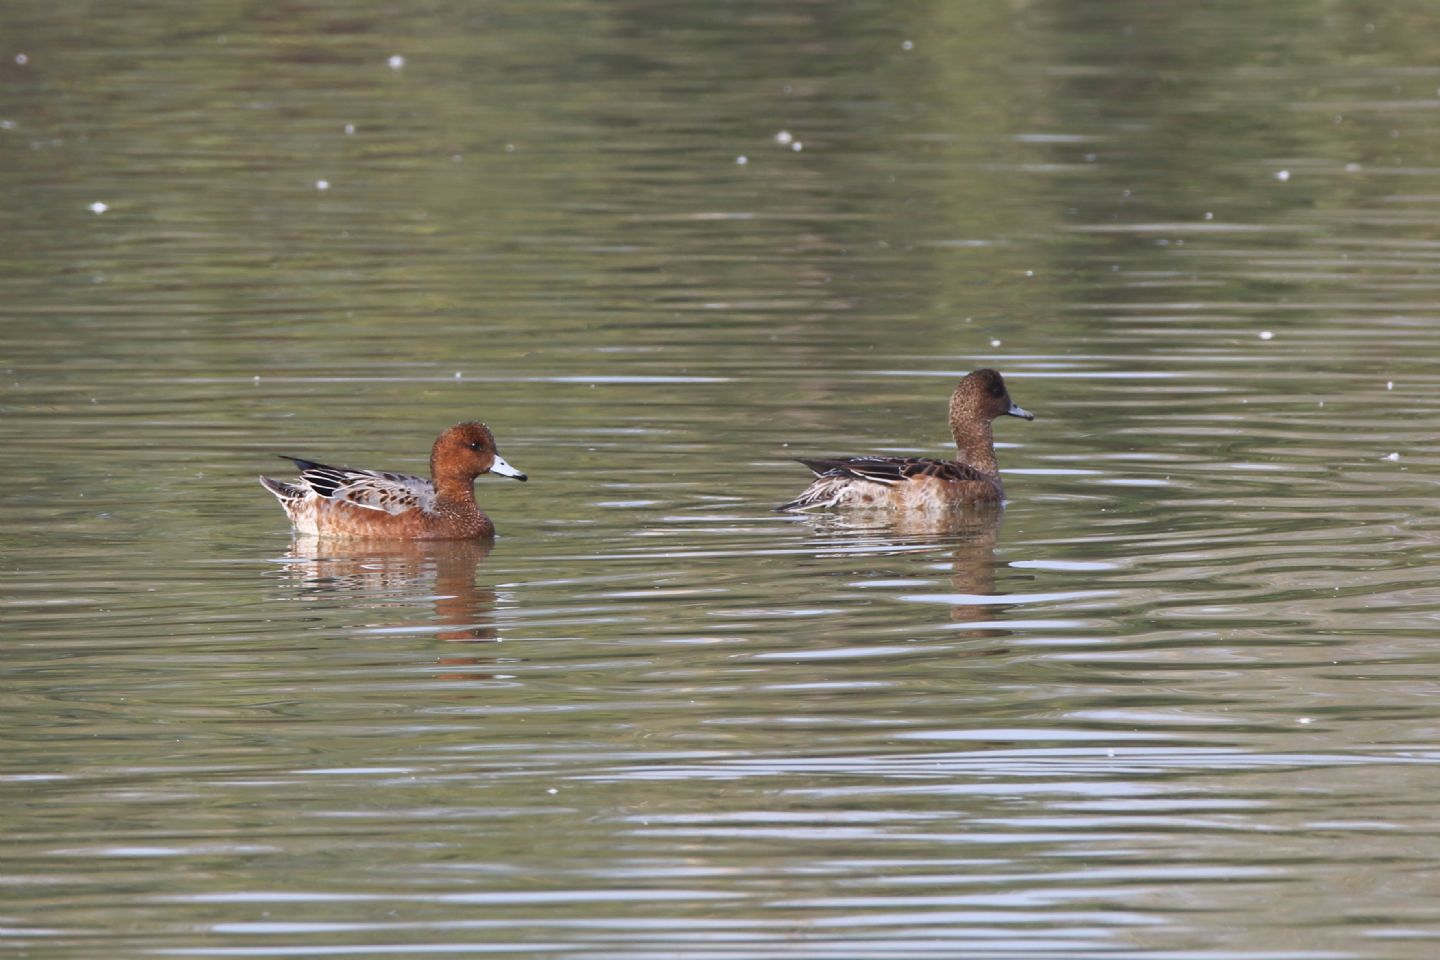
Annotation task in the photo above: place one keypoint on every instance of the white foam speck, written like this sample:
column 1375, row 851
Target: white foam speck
column 1029, row 273
column 322, row 184
column 7, row 124
column 797, row 146
column 784, row 137
column 742, row 160
column 552, row 791
column 1306, row 720
column 994, row 343
column 1282, row 175
column 349, row 129
column 99, row 207
column 396, row 62
column 1392, row 456
column 1389, row 384
column 21, row 59
column 1266, row 335
column 1209, row 215
column 459, row 374
column 907, row 45
column 1352, row 168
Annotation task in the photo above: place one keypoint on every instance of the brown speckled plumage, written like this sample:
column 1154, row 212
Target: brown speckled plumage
column 919, row 484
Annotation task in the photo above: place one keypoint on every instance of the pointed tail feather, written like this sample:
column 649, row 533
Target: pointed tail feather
column 824, row 492
column 303, row 465
column 283, row 491
column 820, row 467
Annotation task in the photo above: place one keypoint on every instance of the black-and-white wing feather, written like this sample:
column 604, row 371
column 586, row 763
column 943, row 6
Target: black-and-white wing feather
column 892, row 470
column 369, row 489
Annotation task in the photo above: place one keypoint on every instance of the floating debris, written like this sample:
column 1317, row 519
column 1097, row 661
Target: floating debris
column 784, row 137
column 396, row 62
column 322, row 184
column 99, row 207
column 1266, row 335
column 1282, row 175
column 741, row 160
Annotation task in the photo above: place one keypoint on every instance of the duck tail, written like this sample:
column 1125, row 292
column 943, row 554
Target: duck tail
column 824, row 492
column 820, row 467
column 303, row 465
column 284, row 492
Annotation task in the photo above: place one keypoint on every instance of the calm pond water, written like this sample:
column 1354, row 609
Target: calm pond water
column 1181, row 702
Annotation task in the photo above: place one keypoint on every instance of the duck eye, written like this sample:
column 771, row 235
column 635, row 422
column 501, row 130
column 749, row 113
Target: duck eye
column 475, row 445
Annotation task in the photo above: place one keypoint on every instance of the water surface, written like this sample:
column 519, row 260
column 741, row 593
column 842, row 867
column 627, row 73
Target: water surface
column 1176, row 701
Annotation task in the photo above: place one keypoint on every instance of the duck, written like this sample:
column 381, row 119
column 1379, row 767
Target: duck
column 331, row 501
column 922, row 484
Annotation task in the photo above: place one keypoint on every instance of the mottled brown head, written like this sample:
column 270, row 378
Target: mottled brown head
column 464, row 452
column 977, row 400
column 981, row 397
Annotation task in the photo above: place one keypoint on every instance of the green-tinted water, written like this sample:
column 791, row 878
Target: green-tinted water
column 1178, row 702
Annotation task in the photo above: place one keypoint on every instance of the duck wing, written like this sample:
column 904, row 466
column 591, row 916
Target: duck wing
column 893, row 470
column 368, row 489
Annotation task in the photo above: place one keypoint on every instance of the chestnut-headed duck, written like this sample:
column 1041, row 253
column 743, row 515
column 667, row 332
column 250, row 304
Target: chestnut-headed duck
column 917, row 483
column 344, row 502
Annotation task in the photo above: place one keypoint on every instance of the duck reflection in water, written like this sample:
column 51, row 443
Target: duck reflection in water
column 396, row 576
column 968, row 536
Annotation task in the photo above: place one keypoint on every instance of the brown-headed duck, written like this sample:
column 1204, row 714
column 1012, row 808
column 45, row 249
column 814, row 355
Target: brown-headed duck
column 919, row 484
column 344, row 502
